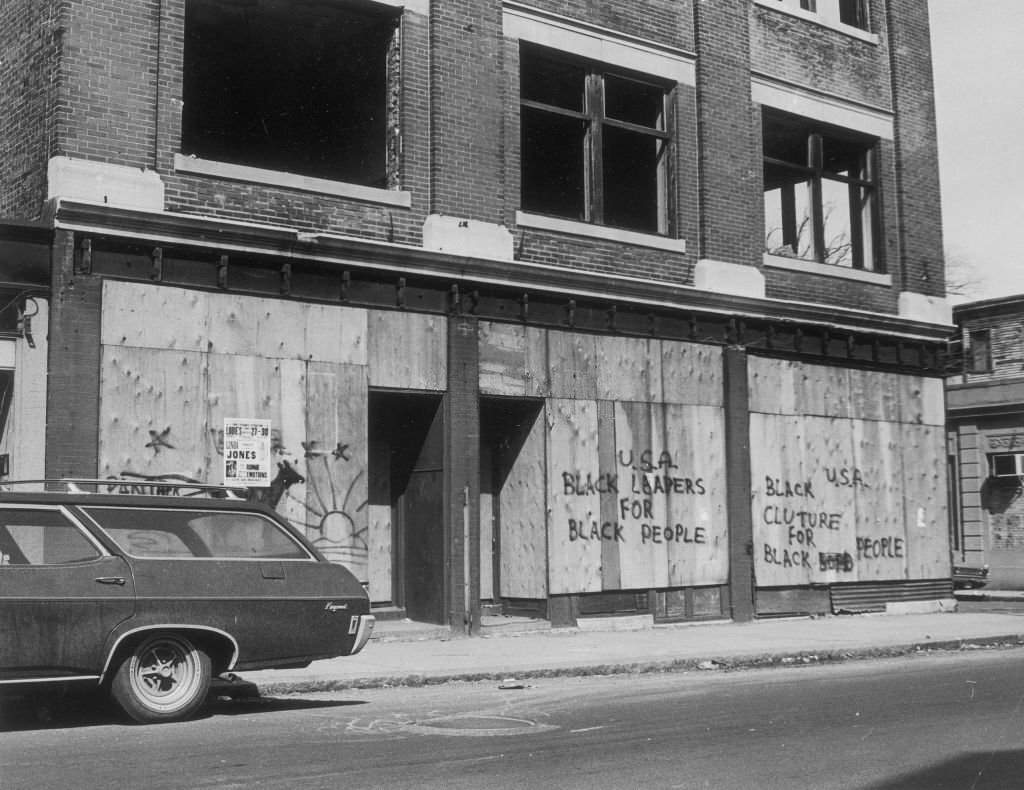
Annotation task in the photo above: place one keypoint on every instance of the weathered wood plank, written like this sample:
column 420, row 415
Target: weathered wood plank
column 629, row 369
column 152, row 413
column 880, row 513
column 572, row 363
column 699, row 552
column 691, row 373
column 144, row 315
column 256, row 326
column 523, row 562
column 336, row 461
column 574, row 545
column 925, row 508
column 407, row 350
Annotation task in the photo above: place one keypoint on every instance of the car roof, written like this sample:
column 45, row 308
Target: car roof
column 109, row 499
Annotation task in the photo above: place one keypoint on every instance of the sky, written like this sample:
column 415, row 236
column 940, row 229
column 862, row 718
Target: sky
column 978, row 63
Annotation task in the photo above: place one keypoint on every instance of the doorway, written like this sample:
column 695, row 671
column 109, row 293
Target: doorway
column 407, row 450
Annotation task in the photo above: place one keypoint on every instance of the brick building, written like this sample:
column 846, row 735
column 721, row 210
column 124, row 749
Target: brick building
column 564, row 307
column 985, row 406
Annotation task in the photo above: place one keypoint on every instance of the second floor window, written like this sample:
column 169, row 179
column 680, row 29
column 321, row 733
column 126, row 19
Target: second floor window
column 846, row 12
column 820, row 201
column 292, row 86
column 594, row 143
column 979, row 351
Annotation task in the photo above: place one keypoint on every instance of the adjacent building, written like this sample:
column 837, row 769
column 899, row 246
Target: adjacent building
column 558, row 307
column 985, row 403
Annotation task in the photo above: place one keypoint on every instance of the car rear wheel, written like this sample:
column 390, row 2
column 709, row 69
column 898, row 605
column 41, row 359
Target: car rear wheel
column 166, row 678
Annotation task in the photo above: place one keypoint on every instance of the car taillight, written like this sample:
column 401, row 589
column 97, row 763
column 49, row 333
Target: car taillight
column 362, row 627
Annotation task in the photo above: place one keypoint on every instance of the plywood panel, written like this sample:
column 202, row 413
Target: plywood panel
column 773, row 385
column 643, row 502
column 502, row 359
column 336, row 455
column 877, row 478
column 380, row 540
column 572, row 362
column 335, row 334
column 523, row 563
column 699, row 551
column 691, row 373
column 24, row 434
column 574, row 483
column 152, row 419
column 257, row 327
column 144, row 315
column 629, row 369
column 874, row 395
column 823, row 522
column 925, row 512
column 408, row 350
column 778, row 488
column 922, row 401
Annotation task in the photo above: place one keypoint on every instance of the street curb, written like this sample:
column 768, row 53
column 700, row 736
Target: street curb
column 733, row 663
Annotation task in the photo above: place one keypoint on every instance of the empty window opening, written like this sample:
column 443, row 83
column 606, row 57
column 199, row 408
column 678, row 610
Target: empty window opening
column 820, row 201
column 979, row 351
column 845, row 12
column 594, row 143
column 293, row 86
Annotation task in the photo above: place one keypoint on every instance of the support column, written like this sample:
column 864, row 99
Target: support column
column 462, row 478
column 738, row 485
column 73, row 392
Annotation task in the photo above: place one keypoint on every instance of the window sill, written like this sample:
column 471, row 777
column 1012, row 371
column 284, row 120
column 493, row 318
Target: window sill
column 541, row 222
column 811, row 16
column 826, row 270
column 276, row 178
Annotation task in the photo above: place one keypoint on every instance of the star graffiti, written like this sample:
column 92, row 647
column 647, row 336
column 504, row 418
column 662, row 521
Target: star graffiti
column 158, row 440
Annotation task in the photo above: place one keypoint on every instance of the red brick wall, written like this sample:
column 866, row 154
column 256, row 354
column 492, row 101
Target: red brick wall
column 31, row 35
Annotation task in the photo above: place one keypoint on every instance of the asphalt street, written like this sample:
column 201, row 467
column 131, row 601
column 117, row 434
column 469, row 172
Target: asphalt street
column 935, row 721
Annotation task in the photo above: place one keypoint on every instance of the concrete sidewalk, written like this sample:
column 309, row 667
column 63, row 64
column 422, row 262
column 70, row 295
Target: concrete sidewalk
column 403, row 653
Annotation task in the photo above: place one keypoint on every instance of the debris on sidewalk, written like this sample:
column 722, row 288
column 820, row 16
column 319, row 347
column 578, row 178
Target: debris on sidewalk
column 509, row 684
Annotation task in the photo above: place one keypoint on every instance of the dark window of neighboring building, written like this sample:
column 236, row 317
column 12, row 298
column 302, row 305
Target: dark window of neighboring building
column 594, row 144
column 820, row 200
column 853, row 12
column 289, row 85
column 979, row 351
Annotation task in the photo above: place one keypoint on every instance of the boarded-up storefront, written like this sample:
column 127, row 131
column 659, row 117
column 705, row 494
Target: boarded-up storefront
column 176, row 363
column 618, row 483
column 848, row 474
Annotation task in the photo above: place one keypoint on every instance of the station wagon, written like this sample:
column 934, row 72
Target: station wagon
column 149, row 597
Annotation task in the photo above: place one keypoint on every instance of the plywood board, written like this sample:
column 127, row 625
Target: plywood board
column 925, row 509
column 145, row 315
column 24, row 436
column 629, row 369
column 523, row 562
column 336, row 457
column 778, row 486
column 256, row 326
column 573, row 367
column 575, row 529
column 922, row 401
column 408, row 350
column 335, row 334
column 502, row 358
column 875, row 395
column 877, row 476
column 699, row 551
column 691, row 373
column 380, row 540
column 152, row 419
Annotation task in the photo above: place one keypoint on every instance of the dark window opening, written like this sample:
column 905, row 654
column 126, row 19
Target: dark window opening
column 979, row 351
column 853, row 12
column 820, row 193
column 594, row 144
column 299, row 87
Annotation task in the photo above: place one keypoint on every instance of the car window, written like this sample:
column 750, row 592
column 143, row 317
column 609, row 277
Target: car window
column 42, row 537
column 154, row 532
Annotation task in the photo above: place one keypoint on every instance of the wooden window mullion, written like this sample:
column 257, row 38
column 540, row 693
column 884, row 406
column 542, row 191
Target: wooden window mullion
column 595, row 148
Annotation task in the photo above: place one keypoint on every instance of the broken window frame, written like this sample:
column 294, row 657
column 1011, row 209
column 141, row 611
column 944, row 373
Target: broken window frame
column 596, row 127
column 862, row 201
column 369, row 159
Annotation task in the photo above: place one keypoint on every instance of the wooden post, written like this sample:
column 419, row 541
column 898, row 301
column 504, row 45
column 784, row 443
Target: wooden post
column 462, row 478
column 737, row 461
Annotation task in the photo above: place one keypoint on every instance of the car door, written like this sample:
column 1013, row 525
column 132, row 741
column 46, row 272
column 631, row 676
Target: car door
column 61, row 594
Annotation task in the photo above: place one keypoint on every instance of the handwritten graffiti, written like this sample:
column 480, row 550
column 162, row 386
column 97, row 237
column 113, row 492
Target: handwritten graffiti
column 159, row 439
